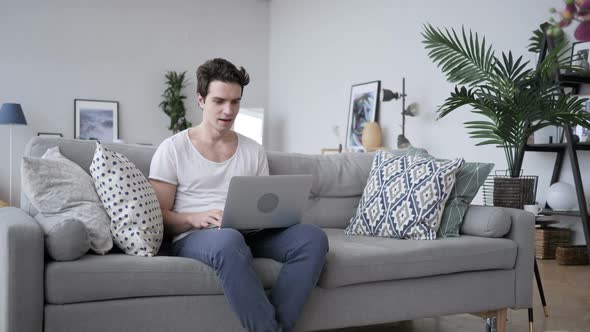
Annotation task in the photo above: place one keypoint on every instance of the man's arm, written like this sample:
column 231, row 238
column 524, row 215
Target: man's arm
column 176, row 223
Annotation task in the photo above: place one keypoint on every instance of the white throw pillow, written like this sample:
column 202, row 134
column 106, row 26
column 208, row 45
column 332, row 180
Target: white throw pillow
column 130, row 201
column 58, row 188
column 404, row 197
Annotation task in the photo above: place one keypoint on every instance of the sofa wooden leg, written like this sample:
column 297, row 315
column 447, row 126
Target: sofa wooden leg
column 500, row 316
column 501, row 320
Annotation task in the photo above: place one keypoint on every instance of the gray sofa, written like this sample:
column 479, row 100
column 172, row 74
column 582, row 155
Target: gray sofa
column 365, row 280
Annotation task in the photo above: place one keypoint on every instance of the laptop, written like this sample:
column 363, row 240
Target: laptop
column 255, row 202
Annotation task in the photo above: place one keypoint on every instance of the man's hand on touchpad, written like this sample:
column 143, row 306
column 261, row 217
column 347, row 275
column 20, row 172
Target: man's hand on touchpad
column 206, row 219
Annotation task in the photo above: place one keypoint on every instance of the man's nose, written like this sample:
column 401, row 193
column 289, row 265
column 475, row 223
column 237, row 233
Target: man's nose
column 228, row 108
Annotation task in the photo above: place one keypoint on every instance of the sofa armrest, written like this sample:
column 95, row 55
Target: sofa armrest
column 522, row 232
column 21, row 271
column 516, row 225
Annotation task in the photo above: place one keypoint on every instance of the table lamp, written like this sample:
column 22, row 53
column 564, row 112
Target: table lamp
column 11, row 114
column 411, row 110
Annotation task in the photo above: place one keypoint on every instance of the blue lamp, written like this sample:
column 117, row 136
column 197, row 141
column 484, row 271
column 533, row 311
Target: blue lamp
column 11, row 114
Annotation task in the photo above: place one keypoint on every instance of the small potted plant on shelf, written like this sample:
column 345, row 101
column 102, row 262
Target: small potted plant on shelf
column 514, row 98
column 173, row 103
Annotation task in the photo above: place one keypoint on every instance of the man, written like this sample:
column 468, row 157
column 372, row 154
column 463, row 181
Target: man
column 190, row 173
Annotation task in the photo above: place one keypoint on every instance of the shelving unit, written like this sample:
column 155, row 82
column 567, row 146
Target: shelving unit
column 556, row 147
column 573, row 81
column 550, row 212
column 570, row 148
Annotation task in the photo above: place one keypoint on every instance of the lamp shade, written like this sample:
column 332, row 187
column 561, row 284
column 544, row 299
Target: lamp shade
column 412, row 110
column 12, row 114
column 371, row 138
column 403, row 142
column 389, row 95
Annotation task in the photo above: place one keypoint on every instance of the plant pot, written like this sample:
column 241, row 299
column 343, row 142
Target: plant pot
column 514, row 192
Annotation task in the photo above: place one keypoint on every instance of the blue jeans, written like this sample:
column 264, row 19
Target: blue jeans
column 301, row 248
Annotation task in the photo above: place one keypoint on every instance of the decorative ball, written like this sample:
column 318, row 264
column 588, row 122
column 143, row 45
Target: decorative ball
column 562, row 197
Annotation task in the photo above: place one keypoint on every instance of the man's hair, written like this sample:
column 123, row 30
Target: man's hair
column 220, row 70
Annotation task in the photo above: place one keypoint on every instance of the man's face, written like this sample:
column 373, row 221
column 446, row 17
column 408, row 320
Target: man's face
column 222, row 104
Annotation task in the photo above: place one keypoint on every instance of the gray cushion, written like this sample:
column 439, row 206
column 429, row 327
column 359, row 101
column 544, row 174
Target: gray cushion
column 81, row 152
column 66, row 238
column 486, row 221
column 118, row 276
column 359, row 259
column 57, row 186
column 469, row 179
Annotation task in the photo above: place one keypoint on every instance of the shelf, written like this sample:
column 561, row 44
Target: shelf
column 550, row 212
column 557, row 147
column 573, row 79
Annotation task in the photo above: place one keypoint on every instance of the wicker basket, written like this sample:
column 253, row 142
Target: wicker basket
column 547, row 239
column 572, row 255
column 505, row 191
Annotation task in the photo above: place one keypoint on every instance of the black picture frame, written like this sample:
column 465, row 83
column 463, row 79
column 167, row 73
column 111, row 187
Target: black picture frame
column 96, row 119
column 50, row 135
column 363, row 107
column 579, row 58
column 582, row 132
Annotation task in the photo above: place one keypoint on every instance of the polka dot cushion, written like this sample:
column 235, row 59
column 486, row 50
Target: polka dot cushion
column 130, row 201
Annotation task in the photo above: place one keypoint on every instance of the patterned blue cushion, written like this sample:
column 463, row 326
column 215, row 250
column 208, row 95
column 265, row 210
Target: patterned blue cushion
column 404, row 197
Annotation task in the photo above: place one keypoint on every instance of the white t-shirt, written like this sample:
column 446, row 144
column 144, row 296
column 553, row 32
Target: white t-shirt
column 202, row 184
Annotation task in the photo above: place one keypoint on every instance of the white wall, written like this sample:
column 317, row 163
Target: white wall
column 52, row 52
column 318, row 49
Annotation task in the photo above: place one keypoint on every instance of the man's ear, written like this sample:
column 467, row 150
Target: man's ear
column 200, row 100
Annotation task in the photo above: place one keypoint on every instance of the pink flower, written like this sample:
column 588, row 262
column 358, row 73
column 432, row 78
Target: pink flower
column 575, row 10
column 582, row 32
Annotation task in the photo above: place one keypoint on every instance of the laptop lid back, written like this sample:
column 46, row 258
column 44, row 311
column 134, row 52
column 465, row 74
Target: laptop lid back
column 274, row 201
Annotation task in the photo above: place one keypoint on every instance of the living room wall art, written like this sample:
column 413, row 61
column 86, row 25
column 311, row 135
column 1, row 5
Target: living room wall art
column 96, row 120
column 363, row 108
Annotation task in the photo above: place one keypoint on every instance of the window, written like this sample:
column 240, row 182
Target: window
column 250, row 123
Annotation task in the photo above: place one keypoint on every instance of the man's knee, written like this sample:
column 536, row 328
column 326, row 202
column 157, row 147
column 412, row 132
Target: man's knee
column 230, row 244
column 313, row 237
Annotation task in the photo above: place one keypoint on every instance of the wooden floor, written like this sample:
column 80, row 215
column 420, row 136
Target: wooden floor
column 567, row 290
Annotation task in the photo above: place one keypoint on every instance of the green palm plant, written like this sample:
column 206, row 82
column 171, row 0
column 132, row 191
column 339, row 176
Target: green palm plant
column 173, row 103
column 515, row 99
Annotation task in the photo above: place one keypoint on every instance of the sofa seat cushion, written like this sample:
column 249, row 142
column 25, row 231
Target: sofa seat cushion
column 116, row 276
column 356, row 259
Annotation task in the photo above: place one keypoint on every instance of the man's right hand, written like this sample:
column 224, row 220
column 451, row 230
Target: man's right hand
column 206, row 218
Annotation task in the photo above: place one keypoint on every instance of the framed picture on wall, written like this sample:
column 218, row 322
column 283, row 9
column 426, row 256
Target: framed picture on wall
column 96, row 120
column 363, row 108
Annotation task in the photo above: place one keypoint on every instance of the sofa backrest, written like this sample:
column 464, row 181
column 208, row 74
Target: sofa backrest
column 338, row 179
column 338, row 182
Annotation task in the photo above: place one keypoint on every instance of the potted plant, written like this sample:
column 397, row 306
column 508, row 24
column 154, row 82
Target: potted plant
column 515, row 98
column 173, row 103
